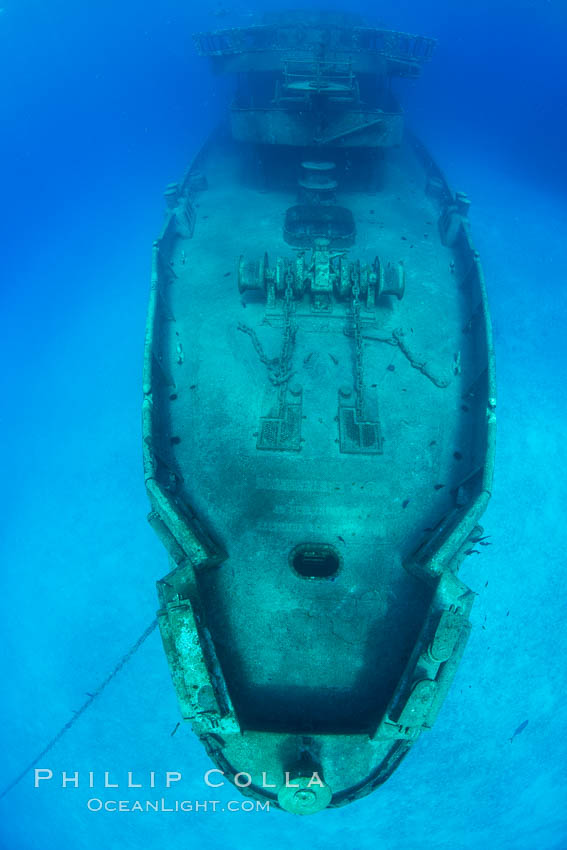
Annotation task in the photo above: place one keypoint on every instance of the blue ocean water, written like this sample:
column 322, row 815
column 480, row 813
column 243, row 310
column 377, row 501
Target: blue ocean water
column 103, row 104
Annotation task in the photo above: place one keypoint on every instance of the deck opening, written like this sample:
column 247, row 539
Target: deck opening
column 315, row 560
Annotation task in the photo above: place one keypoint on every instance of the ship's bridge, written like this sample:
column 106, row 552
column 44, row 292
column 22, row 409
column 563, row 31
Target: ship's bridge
column 315, row 79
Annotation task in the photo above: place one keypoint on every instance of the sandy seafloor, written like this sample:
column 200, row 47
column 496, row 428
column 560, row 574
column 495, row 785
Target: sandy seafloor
column 80, row 562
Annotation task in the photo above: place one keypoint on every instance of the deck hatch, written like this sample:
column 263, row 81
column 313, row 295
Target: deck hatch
column 358, row 437
column 315, row 560
column 304, row 224
column 281, row 433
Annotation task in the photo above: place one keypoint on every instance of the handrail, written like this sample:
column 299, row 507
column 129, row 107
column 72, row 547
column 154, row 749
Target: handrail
column 457, row 535
column 389, row 43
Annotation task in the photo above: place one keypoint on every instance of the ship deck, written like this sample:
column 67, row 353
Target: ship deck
column 302, row 653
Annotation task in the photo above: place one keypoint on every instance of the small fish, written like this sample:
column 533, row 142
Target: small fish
column 333, row 358
column 405, row 503
column 192, row 387
column 341, row 539
column 484, row 542
column 439, row 486
column 519, row 730
column 472, row 552
column 175, row 730
column 227, row 274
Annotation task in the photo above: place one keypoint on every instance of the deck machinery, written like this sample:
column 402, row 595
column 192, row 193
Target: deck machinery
column 318, row 416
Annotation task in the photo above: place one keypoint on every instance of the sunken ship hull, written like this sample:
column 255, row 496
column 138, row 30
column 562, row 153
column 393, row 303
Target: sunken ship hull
column 318, row 418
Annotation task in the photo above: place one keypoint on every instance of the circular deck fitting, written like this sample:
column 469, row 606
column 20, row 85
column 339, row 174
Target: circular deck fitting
column 321, row 184
column 318, row 166
column 295, row 390
column 304, row 797
column 318, row 85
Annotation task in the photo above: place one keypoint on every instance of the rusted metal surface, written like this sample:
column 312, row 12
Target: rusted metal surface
column 405, row 52
column 350, row 128
column 317, row 451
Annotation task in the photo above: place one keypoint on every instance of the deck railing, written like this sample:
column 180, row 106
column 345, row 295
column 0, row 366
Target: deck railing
column 454, row 532
column 399, row 46
column 180, row 526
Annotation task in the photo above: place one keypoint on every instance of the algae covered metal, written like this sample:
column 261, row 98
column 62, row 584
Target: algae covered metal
column 318, row 416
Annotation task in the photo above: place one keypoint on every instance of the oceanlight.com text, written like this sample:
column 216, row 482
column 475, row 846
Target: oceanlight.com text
column 95, row 804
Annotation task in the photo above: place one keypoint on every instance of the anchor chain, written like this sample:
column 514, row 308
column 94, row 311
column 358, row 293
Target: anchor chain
column 358, row 366
column 269, row 362
column 289, row 331
column 279, row 368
